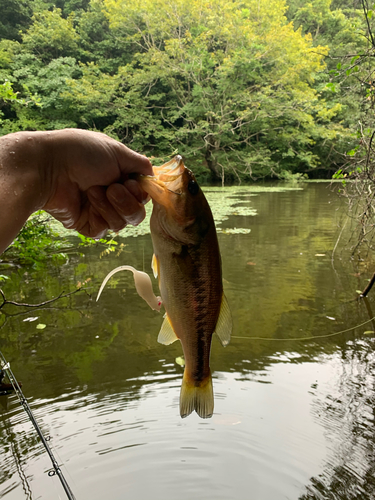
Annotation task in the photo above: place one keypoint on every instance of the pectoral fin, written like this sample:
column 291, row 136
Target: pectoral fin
column 166, row 334
column 224, row 324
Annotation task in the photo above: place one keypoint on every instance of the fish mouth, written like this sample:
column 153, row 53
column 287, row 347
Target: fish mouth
column 166, row 179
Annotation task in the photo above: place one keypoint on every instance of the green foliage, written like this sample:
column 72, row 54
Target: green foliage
column 36, row 242
column 41, row 241
column 51, row 36
column 287, row 175
column 236, row 87
column 351, row 83
column 86, row 241
column 11, row 102
column 7, row 93
column 15, row 17
column 338, row 25
column 230, row 86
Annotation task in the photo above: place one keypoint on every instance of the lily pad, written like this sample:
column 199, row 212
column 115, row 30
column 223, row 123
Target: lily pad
column 180, row 361
column 40, row 326
column 235, row 230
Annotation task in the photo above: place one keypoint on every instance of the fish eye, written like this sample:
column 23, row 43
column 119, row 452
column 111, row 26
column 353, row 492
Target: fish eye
column 193, row 187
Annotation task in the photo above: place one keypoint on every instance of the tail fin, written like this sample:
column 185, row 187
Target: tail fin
column 197, row 397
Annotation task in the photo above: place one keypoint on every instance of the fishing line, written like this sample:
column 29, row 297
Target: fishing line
column 23, row 401
column 306, row 338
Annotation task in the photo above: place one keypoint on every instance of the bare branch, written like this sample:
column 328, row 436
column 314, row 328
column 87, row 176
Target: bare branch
column 23, row 304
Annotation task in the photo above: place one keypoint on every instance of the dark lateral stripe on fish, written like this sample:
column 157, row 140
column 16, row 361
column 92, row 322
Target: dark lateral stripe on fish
column 203, row 345
column 200, row 317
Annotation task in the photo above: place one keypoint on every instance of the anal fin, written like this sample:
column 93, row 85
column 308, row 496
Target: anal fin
column 167, row 335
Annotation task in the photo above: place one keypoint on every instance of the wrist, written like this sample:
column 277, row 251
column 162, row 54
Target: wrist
column 23, row 180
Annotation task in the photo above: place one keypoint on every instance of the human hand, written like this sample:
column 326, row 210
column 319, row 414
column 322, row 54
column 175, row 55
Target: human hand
column 87, row 178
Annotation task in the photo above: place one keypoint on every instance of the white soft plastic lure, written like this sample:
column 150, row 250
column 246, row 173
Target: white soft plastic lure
column 142, row 283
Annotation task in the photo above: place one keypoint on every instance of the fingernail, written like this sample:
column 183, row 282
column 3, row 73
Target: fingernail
column 136, row 218
column 146, row 199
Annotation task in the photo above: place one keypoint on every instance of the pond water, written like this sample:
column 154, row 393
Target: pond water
column 294, row 397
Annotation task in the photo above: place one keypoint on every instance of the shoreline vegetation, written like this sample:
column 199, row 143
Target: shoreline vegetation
column 244, row 90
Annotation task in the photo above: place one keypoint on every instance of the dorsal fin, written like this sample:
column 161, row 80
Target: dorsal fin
column 224, row 324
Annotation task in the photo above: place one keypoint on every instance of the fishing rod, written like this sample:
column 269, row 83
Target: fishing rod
column 5, row 366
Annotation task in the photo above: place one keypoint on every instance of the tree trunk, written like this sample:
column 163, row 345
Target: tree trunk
column 211, row 163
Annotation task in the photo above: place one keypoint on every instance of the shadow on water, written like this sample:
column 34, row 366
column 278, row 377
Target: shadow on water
column 293, row 418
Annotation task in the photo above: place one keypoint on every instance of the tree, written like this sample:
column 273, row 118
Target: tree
column 15, row 18
column 51, row 36
column 234, row 86
column 355, row 72
column 229, row 83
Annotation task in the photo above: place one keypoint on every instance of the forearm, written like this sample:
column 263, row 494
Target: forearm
column 22, row 156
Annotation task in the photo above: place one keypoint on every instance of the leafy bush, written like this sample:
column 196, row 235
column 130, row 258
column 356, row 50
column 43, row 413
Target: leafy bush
column 36, row 242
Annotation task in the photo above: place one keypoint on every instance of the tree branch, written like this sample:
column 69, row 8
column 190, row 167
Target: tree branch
column 368, row 24
column 368, row 287
column 22, row 304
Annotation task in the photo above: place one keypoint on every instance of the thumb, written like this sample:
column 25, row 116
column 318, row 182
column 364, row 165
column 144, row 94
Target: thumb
column 131, row 162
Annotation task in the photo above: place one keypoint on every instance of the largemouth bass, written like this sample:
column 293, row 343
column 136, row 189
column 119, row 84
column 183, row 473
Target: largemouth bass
column 187, row 263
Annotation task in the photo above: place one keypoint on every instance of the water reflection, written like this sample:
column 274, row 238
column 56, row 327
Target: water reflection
column 347, row 413
column 293, row 419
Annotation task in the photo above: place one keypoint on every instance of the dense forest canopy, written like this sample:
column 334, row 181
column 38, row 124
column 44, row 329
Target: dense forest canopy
column 243, row 89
